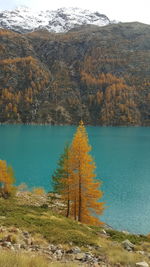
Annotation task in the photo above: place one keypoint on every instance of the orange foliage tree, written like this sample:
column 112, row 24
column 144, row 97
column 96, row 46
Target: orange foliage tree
column 81, row 191
column 6, row 179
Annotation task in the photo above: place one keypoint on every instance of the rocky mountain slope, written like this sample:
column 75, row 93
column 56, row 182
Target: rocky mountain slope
column 24, row 20
column 100, row 74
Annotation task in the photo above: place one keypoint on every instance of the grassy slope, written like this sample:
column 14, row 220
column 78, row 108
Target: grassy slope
column 57, row 229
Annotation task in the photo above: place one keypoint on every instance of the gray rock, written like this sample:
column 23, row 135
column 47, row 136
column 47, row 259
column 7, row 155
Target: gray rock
column 52, row 248
column 80, row 256
column 89, row 257
column 128, row 245
column 141, row 252
column 104, row 232
column 6, row 244
column 26, row 234
column 59, row 254
column 76, row 250
column 142, row 264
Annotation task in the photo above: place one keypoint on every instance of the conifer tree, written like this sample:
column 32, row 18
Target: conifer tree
column 75, row 180
column 60, row 178
column 84, row 188
column 61, row 172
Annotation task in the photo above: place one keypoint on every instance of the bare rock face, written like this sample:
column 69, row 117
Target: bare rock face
column 62, row 20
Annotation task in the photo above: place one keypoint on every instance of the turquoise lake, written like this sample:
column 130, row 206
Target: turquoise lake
column 122, row 156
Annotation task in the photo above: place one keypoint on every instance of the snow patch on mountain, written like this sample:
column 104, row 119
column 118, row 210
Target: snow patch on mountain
column 23, row 19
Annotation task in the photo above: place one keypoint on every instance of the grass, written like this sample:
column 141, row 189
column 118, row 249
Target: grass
column 115, row 253
column 120, row 236
column 54, row 228
column 46, row 226
column 11, row 259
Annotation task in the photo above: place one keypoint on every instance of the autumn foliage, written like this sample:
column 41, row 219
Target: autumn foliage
column 6, row 179
column 78, row 184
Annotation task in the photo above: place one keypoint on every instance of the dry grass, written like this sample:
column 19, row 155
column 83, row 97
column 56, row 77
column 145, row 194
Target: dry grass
column 12, row 259
column 115, row 253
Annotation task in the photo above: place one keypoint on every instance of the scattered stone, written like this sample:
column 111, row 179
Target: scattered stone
column 125, row 232
column 141, row 252
column 89, row 257
column 26, row 234
column 76, row 250
column 80, row 256
column 142, row 264
column 97, row 247
column 6, row 244
column 59, row 254
column 104, row 232
column 9, row 238
column 52, row 248
column 23, row 246
column 12, row 248
column 128, row 245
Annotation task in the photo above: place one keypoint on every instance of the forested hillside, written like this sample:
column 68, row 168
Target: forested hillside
column 100, row 74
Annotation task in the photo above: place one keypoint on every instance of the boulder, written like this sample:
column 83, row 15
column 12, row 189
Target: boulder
column 76, row 250
column 128, row 245
column 142, row 264
column 80, row 256
column 59, row 254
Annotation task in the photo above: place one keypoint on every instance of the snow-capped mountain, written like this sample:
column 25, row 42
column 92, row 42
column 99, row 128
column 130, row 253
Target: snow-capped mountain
column 24, row 20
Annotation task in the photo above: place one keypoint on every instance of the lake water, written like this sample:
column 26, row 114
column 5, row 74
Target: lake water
column 122, row 156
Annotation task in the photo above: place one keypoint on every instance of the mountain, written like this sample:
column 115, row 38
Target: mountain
column 99, row 74
column 24, row 20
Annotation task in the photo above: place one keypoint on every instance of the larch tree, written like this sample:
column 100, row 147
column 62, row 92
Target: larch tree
column 6, row 179
column 75, row 180
column 85, row 190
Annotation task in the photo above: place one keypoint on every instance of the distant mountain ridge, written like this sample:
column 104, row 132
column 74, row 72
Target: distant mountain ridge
column 25, row 20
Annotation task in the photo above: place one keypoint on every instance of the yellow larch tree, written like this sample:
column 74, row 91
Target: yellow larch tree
column 6, row 179
column 84, row 188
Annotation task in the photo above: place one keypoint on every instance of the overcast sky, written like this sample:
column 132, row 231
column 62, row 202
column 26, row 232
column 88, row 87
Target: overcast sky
column 122, row 10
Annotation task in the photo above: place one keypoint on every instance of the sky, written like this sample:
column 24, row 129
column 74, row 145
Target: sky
column 121, row 10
